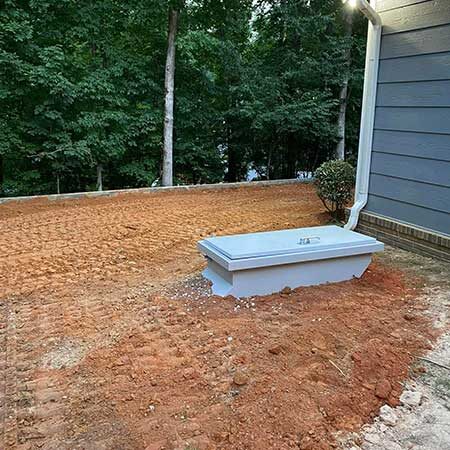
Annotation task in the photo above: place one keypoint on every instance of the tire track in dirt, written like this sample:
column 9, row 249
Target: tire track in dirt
column 9, row 428
column 46, row 338
column 3, row 372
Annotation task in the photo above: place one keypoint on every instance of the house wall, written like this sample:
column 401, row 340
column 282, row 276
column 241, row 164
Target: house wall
column 410, row 171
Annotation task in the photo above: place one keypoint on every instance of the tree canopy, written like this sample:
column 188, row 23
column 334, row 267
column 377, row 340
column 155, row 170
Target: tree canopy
column 256, row 87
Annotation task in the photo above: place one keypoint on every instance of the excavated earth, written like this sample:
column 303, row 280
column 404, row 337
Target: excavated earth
column 110, row 339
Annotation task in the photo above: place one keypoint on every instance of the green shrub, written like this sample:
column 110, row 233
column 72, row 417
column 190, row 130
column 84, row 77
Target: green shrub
column 334, row 182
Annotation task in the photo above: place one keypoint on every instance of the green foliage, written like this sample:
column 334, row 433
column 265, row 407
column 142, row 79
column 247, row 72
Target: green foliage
column 257, row 87
column 334, row 182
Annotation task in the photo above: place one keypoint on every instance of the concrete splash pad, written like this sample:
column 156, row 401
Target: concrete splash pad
column 263, row 263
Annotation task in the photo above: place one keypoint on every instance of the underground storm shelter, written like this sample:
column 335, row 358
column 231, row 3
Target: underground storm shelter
column 263, row 263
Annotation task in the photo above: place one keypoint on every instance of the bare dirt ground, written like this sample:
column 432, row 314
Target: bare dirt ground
column 109, row 339
column 51, row 245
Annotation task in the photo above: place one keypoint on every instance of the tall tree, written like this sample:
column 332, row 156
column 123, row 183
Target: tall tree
column 169, row 85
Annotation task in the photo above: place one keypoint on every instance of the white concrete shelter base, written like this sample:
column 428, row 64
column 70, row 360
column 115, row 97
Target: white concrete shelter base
column 265, row 263
column 268, row 280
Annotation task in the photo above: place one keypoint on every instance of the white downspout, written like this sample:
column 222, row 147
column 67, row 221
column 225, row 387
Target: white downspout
column 368, row 112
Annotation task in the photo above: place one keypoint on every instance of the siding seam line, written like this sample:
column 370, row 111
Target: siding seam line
column 425, row 27
column 401, row 7
column 409, row 203
column 410, row 179
column 385, row 152
column 419, row 132
column 412, row 107
column 411, row 131
column 414, row 81
column 413, row 55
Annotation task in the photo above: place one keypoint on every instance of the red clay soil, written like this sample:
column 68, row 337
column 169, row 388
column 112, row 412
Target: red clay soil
column 116, row 358
column 54, row 244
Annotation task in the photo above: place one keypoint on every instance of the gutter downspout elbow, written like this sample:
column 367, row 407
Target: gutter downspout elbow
column 369, row 11
column 367, row 123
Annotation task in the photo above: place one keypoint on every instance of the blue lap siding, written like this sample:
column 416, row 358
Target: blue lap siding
column 410, row 172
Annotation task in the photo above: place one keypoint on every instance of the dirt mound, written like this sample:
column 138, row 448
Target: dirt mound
column 274, row 372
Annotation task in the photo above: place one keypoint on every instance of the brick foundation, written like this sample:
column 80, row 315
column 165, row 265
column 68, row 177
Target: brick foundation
column 405, row 236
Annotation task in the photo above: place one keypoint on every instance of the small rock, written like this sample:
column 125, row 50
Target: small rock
column 382, row 389
column 286, row 291
column 372, row 438
column 393, row 446
column 197, row 443
column 420, row 369
column 411, row 398
column 240, row 379
column 396, row 335
column 388, row 416
column 408, row 316
column 276, row 349
column 193, row 428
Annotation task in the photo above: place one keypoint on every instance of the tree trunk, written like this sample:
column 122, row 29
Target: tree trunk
column 1, row 172
column 232, row 159
column 58, row 185
column 232, row 173
column 343, row 95
column 269, row 162
column 99, row 177
column 291, row 160
column 169, row 84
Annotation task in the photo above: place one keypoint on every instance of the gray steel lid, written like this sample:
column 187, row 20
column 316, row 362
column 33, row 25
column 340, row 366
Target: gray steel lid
column 299, row 240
